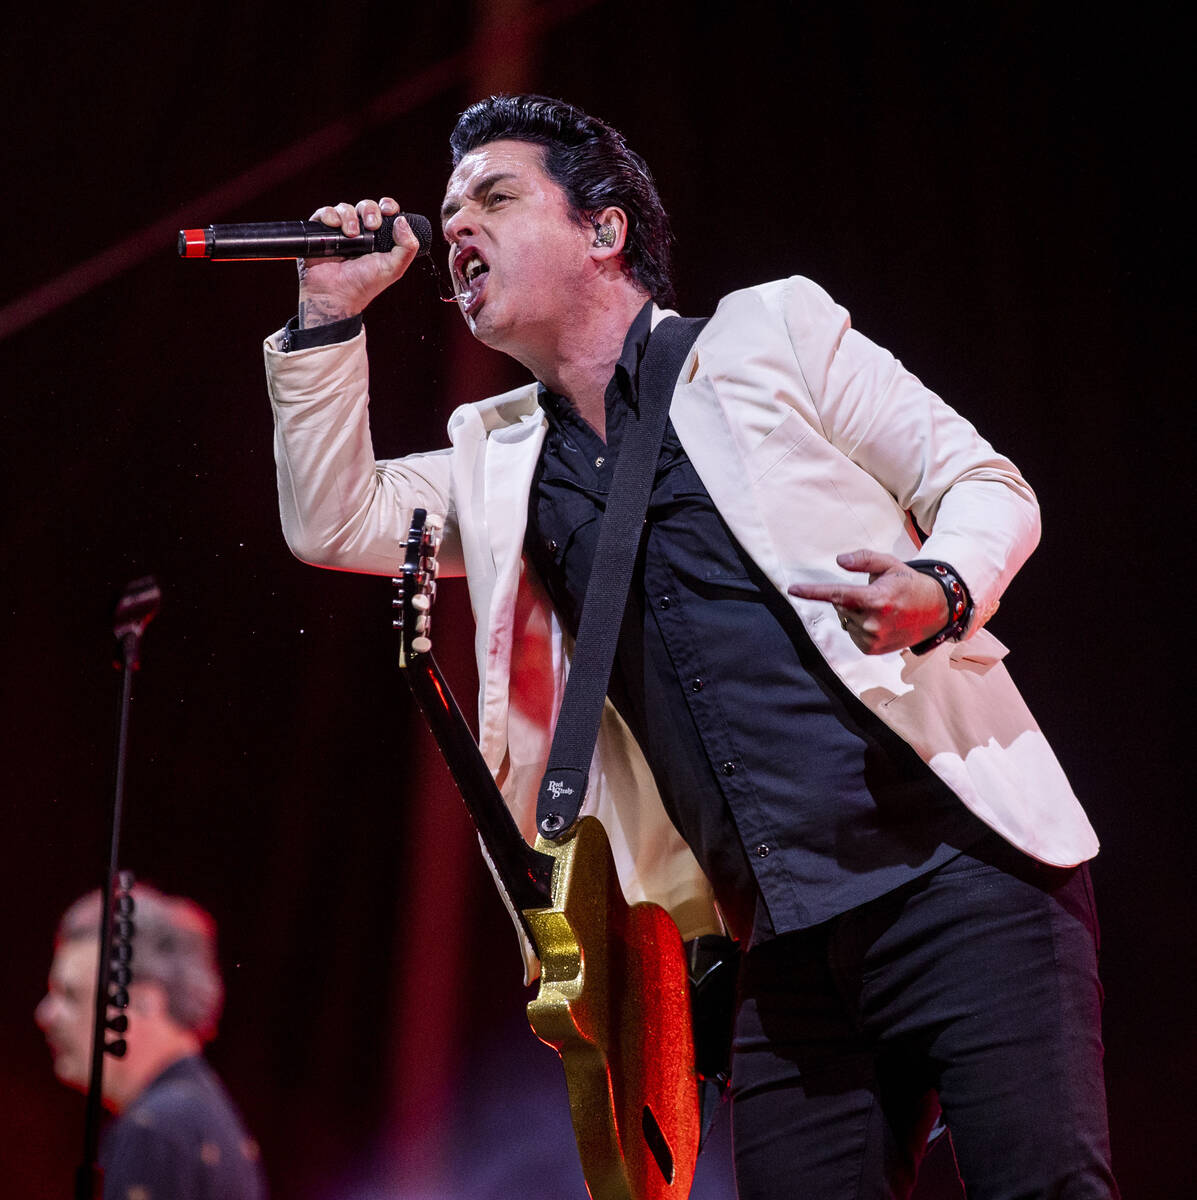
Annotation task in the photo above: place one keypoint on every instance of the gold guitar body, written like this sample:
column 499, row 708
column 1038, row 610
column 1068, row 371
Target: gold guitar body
column 614, row 1002
column 614, row 996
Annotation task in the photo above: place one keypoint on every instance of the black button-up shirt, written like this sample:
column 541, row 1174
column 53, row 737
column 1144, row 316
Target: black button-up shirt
column 798, row 802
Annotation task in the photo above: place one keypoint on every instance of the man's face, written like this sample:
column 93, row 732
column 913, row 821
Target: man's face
column 66, row 1012
column 516, row 254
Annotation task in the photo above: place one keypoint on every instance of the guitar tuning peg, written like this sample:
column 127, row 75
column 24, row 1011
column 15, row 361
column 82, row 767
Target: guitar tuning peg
column 421, row 645
column 116, row 1047
column 119, row 998
column 422, row 602
column 422, row 623
column 118, row 1024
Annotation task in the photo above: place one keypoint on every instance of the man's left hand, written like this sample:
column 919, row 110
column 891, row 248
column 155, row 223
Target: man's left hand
column 898, row 607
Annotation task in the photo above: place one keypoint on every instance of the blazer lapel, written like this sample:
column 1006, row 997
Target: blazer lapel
column 511, row 456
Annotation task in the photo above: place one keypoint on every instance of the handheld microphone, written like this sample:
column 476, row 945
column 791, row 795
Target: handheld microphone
column 296, row 239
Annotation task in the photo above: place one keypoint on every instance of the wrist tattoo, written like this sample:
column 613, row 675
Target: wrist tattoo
column 320, row 311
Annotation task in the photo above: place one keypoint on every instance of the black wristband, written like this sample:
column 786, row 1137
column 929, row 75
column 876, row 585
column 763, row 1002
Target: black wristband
column 960, row 604
column 295, row 338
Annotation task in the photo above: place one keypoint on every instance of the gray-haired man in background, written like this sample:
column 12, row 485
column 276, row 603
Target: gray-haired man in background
column 176, row 1134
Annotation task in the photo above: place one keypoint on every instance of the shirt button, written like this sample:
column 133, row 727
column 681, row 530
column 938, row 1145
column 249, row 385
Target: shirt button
column 664, row 602
column 598, row 462
column 696, row 685
column 727, row 768
column 761, row 850
column 552, row 545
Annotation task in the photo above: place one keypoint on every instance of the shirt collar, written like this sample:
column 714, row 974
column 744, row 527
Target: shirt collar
column 634, row 346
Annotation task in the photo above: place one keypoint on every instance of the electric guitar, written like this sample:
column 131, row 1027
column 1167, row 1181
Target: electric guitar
column 614, row 993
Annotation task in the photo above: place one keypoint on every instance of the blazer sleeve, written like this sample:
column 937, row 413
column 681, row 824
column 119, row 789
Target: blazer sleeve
column 340, row 507
column 978, row 512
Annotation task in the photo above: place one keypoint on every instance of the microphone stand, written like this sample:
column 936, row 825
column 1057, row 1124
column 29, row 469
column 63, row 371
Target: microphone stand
column 136, row 607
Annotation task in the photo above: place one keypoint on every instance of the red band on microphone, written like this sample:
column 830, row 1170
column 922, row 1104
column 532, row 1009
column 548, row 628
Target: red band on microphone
column 193, row 243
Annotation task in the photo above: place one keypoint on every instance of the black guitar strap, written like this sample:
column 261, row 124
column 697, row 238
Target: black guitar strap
column 563, row 787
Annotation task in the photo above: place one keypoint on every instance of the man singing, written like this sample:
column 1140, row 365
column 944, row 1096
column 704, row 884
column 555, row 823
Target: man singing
column 810, row 739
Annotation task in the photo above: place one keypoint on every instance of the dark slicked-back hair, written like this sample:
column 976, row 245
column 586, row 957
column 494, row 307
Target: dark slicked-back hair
column 593, row 166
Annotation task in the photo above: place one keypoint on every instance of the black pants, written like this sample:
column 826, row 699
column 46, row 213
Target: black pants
column 974, row 988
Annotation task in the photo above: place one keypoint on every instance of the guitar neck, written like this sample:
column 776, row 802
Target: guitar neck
column 526, row 874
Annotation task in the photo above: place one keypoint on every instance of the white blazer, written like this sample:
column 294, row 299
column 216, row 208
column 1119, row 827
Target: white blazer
column 811, row 440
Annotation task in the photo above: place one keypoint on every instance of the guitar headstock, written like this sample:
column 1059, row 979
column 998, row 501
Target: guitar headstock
column 415, row 587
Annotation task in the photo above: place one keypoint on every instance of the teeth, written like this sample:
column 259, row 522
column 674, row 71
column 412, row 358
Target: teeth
column 474, row 268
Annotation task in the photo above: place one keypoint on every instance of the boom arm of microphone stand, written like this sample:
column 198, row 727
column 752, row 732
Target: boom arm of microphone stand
column 137, row 606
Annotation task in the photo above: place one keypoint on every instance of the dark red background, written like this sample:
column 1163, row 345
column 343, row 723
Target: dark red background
column 989, row 190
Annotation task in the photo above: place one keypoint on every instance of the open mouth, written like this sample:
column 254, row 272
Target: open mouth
column 470, row 272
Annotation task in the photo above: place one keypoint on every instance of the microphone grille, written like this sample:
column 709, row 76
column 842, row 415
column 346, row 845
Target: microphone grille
column 384, row 239
column 422, row 228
